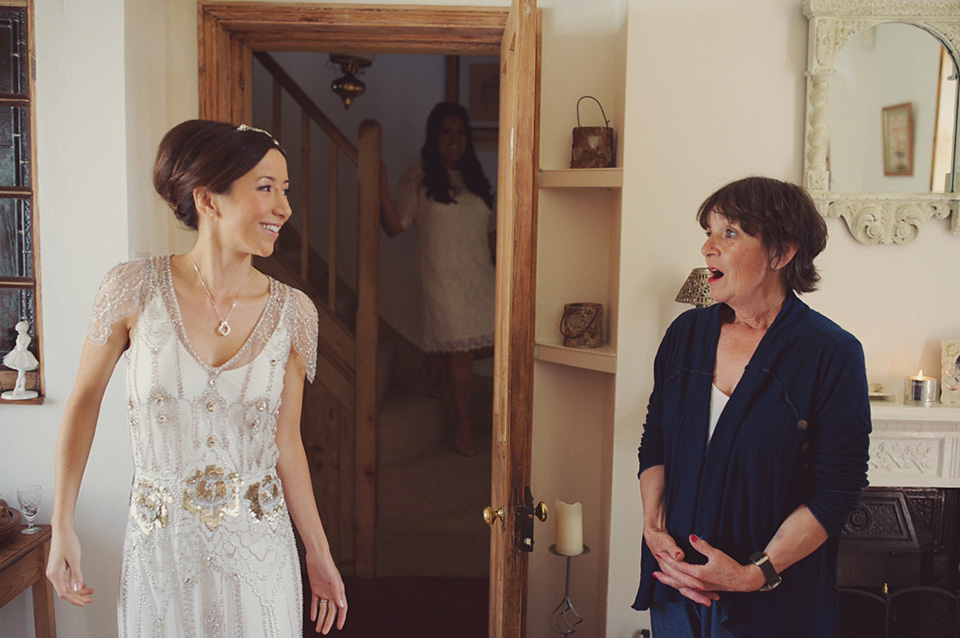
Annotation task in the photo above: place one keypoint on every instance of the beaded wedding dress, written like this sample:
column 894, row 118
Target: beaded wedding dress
column 209, row 548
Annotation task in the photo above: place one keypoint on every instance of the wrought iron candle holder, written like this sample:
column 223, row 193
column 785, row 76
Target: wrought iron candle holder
column 565, row 618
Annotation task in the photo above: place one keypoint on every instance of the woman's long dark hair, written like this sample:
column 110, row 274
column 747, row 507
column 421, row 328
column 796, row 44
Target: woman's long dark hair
column 435, row 175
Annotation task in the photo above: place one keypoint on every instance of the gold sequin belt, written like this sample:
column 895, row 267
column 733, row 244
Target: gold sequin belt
column 212, row 494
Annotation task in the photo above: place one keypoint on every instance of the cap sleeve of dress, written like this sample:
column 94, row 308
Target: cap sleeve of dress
column 304, row 330
column 119, row 297
column 410, row 194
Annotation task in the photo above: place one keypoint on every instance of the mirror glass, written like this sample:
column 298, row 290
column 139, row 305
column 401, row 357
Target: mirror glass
column 892, row 65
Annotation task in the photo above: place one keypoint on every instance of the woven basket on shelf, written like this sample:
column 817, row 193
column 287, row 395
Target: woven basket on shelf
column 582, row 325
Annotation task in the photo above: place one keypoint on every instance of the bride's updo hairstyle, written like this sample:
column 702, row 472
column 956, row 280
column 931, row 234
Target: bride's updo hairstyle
column 205, row 154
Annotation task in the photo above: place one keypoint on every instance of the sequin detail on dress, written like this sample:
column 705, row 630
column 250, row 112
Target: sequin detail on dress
column 149, row 504
column 266, row 498
column 213, row 494
column 209, row 549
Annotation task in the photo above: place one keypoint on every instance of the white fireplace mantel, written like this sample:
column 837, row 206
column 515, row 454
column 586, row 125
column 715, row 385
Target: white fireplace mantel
column 914, row 446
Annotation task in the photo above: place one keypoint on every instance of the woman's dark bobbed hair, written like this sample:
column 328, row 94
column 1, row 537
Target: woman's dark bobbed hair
column 207, row 154
column 778, row 213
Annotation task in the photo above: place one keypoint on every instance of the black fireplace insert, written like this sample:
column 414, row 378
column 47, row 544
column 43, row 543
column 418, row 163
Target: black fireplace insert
column 899, row 566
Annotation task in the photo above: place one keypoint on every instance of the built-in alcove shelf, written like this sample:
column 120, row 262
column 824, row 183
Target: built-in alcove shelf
column 566, row 192
column 602, row 359
column 581, row 178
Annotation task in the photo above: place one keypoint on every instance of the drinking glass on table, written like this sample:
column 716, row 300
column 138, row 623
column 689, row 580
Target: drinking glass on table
column 29, row 498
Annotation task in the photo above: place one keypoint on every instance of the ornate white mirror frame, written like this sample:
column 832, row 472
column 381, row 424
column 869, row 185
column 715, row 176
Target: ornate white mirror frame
column 871, row 217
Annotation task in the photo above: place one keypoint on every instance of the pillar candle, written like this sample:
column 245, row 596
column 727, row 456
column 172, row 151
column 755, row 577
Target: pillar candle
column 569, row 528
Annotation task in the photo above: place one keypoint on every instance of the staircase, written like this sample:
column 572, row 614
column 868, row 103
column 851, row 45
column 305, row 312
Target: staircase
column 430, row 499
column 394, row 497
column 339, row 418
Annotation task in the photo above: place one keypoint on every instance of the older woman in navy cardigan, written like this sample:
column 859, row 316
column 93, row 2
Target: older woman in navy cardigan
column 755, row 447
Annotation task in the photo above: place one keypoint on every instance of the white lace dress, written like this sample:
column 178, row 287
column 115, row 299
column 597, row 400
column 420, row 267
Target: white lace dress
column 209, row 548
column 457, row 276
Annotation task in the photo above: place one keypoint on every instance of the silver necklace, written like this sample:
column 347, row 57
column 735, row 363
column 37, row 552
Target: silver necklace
column 224, row 327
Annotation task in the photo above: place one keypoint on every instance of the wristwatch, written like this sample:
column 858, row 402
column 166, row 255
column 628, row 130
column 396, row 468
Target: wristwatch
column 762, row 561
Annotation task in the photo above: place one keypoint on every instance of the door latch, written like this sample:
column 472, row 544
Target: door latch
column 524, row 511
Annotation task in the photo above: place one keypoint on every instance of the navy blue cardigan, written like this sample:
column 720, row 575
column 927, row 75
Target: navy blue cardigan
column 795, row 431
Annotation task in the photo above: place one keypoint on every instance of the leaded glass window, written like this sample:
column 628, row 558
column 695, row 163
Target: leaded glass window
column 14, row 304
column 14, row 150
column 16, row 238
column 18, row 267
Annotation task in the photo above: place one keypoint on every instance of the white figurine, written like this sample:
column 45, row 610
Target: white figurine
column 21, row 360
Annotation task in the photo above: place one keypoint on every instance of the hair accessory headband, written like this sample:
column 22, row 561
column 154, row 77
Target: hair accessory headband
column 243, row 127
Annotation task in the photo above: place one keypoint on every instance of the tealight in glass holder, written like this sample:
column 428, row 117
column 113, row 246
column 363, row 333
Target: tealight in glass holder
column 920, row 390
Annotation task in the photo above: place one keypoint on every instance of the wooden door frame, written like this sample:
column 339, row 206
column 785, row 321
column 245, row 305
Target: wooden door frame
column 230, row 32
column 514, row 357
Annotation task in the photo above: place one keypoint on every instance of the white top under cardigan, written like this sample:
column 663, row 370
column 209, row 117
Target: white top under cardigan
column 718, row 401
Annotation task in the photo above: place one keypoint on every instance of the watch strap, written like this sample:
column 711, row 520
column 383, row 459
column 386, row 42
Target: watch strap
column 770, row 574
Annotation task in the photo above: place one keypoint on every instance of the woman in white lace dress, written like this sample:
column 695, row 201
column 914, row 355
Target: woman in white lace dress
column 448, row 195
column 216, row 355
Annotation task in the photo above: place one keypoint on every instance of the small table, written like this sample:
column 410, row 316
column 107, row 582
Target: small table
column 23, row 563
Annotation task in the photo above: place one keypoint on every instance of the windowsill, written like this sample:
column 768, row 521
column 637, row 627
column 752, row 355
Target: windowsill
column 8, row 378
column 35, row 401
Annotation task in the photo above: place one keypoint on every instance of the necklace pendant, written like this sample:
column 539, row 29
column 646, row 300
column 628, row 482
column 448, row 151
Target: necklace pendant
column 224, row 328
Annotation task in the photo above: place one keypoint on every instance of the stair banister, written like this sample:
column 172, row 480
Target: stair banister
column 368, row 320
column 310, row 111
column 305, row 194
column 332, row 228
column 307, row 104
column 362, row 356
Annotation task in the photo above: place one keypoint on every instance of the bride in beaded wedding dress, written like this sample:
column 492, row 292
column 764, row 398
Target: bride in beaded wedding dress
column 216, row 355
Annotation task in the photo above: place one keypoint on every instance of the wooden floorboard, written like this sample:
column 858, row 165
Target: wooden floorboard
column 413, row 608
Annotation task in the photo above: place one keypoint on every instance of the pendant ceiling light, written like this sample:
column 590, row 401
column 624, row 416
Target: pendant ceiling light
column 347, row 86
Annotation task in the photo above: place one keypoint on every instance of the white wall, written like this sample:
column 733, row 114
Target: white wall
column 97, row 139
column 146, row 63
column 82, row 208
column 583, row 53
column 715, row 91
column 107, row 87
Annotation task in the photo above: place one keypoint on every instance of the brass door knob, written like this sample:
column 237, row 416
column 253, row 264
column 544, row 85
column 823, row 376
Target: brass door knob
column 540, row 511
column 491, row 515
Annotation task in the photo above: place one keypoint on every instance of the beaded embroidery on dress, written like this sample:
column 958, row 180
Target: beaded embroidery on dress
column 209, row 548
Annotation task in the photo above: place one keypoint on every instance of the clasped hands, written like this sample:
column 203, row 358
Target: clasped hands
column 700, row 583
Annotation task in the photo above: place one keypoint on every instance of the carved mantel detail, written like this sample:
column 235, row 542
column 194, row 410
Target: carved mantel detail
column 913, row 458
column 915, row 453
